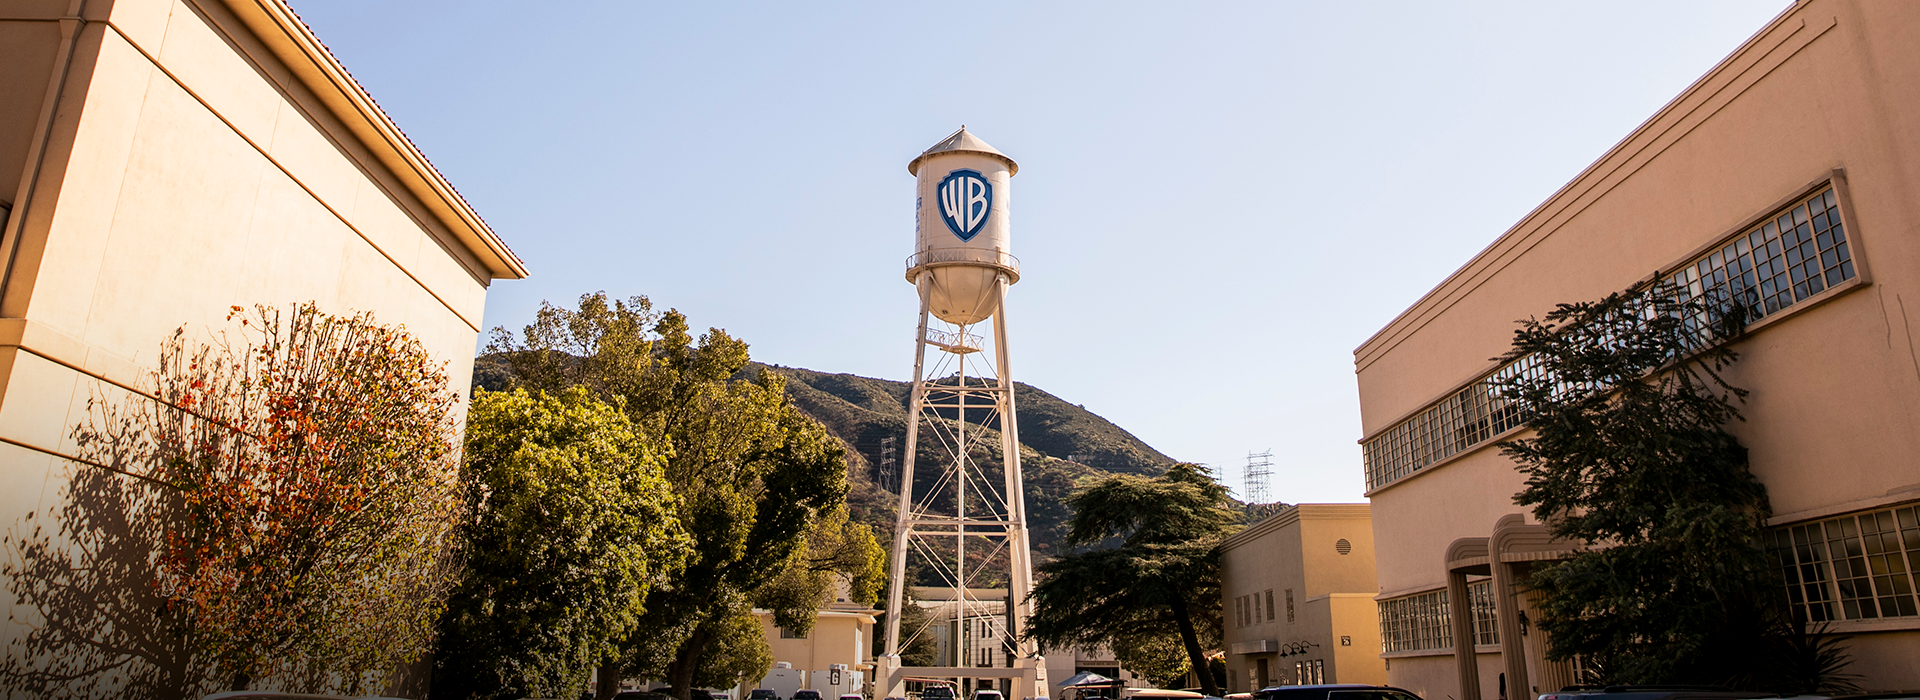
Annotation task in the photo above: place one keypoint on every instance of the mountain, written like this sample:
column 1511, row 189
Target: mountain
column 1062, row 444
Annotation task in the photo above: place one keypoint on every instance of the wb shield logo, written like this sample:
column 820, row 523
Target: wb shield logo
column 966, row 198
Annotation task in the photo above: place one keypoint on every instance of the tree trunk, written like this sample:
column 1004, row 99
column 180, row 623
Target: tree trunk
column 685, row 660
column 609, row 681
column 1196, row 656
column 241, row 680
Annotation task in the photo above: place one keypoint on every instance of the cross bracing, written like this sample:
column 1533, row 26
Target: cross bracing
column 963, row 525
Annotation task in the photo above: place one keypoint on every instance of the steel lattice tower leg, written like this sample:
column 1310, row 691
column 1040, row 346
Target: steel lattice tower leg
column 930, row 529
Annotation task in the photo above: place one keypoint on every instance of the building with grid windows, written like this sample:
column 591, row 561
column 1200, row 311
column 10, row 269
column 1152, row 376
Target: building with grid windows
column 974, row 634
column 1783, row 179
column 1297, row 592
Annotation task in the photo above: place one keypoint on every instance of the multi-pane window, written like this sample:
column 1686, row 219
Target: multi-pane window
column 790, row 634
column 1417, row 622
column 1793, row 256
column 1854, row 567
column 1798, row 254
column 1485, row 630
column 1289, row 605
column 1246, row 609
column 1270, row 606
column 1310, row 672
column 1460, row 421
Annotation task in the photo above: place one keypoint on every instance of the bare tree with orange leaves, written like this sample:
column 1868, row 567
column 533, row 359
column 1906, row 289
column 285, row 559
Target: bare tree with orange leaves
column 301, row 474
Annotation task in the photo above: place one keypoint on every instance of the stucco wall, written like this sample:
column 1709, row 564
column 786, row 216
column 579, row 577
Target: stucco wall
column 29, row 51
column 837, row 638
column 1356, row 619
column 1834, row 416
column 187, row 180
column 186, row 170
column 1332, row 594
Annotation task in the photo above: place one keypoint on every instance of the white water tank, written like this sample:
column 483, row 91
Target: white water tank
column 961, row 234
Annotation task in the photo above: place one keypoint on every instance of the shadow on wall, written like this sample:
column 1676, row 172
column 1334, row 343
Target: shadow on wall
column 81, row 576
column 87, row 619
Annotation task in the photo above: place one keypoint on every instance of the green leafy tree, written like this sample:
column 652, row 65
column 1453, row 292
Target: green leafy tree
column 1162, row 580
column 1628, row 455
column 569, row 524
column 738, row 653
column 917, row 647
column 762, row 487
column 1160, row 658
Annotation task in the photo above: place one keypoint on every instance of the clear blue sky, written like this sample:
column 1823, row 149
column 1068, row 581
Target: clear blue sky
column 1217, row 202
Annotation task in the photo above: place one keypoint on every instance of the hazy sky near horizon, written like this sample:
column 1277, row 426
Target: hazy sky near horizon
column 1217, row 202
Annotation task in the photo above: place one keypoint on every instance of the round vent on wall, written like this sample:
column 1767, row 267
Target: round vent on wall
column 1343, row 546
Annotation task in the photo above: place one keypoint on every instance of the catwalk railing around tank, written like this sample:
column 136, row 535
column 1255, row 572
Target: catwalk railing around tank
column 982, row 257
column 953, row 342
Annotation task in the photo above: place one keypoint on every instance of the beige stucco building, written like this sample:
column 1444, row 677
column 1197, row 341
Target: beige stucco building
column 164, row 160
column 1297, row 594
column 1790, row 175
column 842, row 636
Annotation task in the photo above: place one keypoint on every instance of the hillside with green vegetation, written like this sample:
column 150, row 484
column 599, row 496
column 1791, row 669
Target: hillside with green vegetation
column 1063, row 444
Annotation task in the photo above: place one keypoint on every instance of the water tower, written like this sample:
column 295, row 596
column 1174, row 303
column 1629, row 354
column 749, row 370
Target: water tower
column 965, row 528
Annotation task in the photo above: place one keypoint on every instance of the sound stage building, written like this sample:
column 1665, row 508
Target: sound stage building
column 1788, row 175
column 164, row 160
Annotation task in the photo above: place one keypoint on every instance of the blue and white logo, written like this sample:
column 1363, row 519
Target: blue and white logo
column 966, row 198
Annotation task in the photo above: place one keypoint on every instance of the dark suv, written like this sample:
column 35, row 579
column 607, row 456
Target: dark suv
column 1334, row 692
column 1650, row 692
column 937, row 692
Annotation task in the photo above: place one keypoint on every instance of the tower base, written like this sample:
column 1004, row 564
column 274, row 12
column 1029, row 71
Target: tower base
column 1027, row 679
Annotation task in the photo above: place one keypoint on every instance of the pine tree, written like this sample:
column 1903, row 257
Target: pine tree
column 1628, row 455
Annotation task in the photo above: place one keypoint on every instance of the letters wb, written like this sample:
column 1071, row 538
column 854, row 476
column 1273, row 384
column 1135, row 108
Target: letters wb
column 965, row 201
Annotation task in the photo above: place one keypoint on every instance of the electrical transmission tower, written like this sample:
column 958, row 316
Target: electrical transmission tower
column 1255, row 480
column 889, row 469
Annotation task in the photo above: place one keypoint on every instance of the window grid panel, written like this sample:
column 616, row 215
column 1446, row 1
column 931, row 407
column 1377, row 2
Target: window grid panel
column 1418, row 622
column 1886, row 561
column 1799, row 253
column 1854, row 567
column 1486, row 630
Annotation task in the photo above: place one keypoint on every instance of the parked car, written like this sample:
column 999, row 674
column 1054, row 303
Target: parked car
column 988, row 695
column 937, row 692
column 806, row 695
column 1334, row 691
column 641, row 695
column 762, row 694
column 269, row 695
column 1650, row 692
column 853, row 696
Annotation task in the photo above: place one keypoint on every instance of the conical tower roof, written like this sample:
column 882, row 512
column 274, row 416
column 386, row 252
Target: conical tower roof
column 962, row 141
